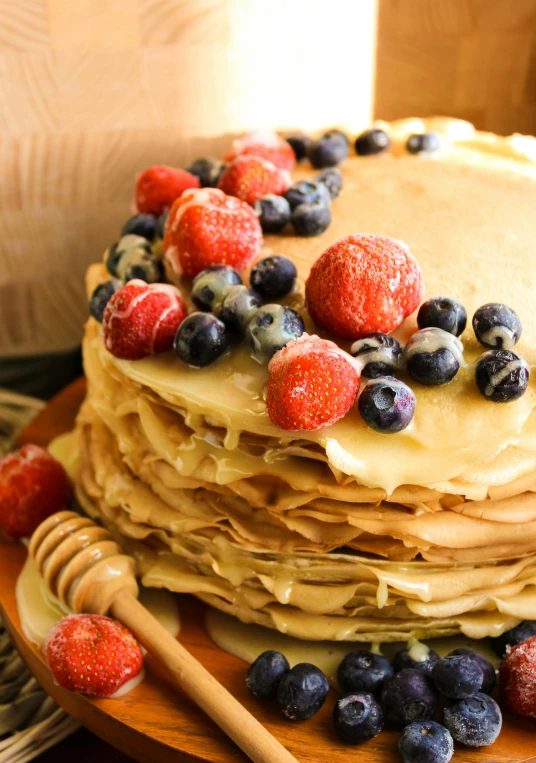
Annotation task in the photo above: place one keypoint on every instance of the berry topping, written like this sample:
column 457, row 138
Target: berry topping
column 206, row 227
column 501, row 376
column 271, row 328
column 423, row 143
column 372, row 141
column 406, row 658
column 357, row 717
column 458, row 676
column 328, row 150
column 158, row 187
column 513, row 637
column 273, row 277
column 425, row 742
column 273, row 212
column 332, row 179
column 210, row 285
column 302, row 691
column 488, row 671
column 311, row 219
column 475, row 721
column 264, row 675
column 141, row 225
column 266, row 144
column 363, row 284
column 387, row 405
column 518, row 679
column 92, row 654
column 33, row 485
column 443, row 313
column 312, row 383
column 299, row 143
column 308, row 192
column 433, row 356
column 132, row 257
column 497, row 326
column 238, row 305
column 200, row 340
column 409, row 696
column 251, row 177
column 142, row 319
column 363, row 671
column 101, row 296
column 380, row 353
column 208, row 170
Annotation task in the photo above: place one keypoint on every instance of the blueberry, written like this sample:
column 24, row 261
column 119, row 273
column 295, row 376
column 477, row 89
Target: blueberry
column 200, row 339
column 387, row 404
column 379, row 352
column 271, row 328
column 161, row 225
column 497, row 326
column 302, row 691
column 433, row 356
column 363, row 671
column 425, row 742
column 521, row 632
column 458, row 676
column 299, row 143
column 237, row 307
column 409, row 696
column 332, row 179
column 264, row 675
column 443, row 313
column 501, row 376
column 114, row 256
column 132, row 257
column 328, row 150
column 372, row 141
column 403, row 660
column 209, row 285
column 101, row 296
column 308, row 192
column 311, row 219
column 423, row 143
column 357, row 718
column 273, row 277
column 475, row 721
column 273, row 212
column 488, row 671
column 208, row 171
column 141, row 225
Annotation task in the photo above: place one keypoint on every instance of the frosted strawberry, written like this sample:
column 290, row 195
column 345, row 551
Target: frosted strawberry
column 92, row 655
column 312, row 383
column 267, row 144
column 250, row 177
column 142, row 319
column 158, row 187
column 205, row 227
column 363, row 284
column 33, row 485
column 517, row 678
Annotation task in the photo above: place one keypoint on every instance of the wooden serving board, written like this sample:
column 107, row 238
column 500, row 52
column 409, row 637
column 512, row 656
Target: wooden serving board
column 156, row 722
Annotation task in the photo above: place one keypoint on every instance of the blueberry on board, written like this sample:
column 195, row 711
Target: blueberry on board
column 364, row 671
column 200, row 339
column 101, row 296
column 308, row 192
column 488, row 671
column 302, row 691
column 403, row 660
column 425, row 742
column 332, row 179
column 141, row 225
column 357, row 717
column 237, row 307
column 371, row 142
column 516, row 635
column 497, row 326
column 475, row 721
column 264, row 675
column 443, row 313
column 433, row 356
column 273, row 212
column 409, row 696
column 209, row 285
column 273, row 277
column 386, row 404
column 299, row 143
column 328, row 150
column 161, row 224
column 423, row 143
column 501, row 376
column 458, row 676
column 271, row 328
column 380, row 353
column 208, row 170
column 310, row 219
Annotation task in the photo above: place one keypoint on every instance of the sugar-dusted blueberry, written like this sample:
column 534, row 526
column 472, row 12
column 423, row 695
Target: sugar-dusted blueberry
column 273, row 212
column 141, row 225
column 310, row 219
column 328, row 150
column 200, row 339
column 364, row 671
column 128, row 253
column 443, row 313
column 425, row 742
column 386, row 404
column 271, row 328
column 162, row 221
column 497, row 326
column 101, row 296
column 433, row 356
column 513, row 637
column 380, row 353
column 238, row 305
column 308, row 192
column 475, row 721
column 274, row 276
column 372, row 141
column 209, row 285
column 408, row 658
column 458, row 676
column 501, row 376
column 488, row 671
column 299, row 143
column 357, row 717
column 332, row 179
column 423, row 143
column 208, row 170
column 409, row 696
column 302, row 691
column 264, row 675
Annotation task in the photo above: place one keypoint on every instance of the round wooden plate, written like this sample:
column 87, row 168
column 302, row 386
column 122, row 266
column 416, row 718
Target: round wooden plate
column 156, row 722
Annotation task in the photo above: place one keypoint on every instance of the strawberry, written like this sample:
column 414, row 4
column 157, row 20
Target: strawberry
column 249, row 177
column 517, row 677
column 363, row 284
column 33, row 485
column 92, row 654
column 158, row 187
column 267, row 144
column 142, row 319
column 205, row 227
column 312, row 383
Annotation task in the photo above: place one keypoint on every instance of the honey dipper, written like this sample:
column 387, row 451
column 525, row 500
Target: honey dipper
column 87, row 570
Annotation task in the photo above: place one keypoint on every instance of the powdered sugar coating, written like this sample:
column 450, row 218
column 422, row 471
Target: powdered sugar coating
column 518, row 678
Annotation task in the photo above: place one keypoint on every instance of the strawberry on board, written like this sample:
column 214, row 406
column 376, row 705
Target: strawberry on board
column 517, row 677
column 250, row 177
column 267, row 144
column 157, row 188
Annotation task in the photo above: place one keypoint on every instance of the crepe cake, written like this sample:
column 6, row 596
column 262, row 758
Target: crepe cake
column 342, row 533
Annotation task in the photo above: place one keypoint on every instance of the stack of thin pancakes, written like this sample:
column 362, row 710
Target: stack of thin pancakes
column 343, row 533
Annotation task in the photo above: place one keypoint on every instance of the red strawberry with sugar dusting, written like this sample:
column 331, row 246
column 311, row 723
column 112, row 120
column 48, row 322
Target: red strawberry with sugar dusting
column 93, row 655
column 312, row 383
column 363, row 284
column 249, row 177
column 158, row 187
column 267, row 144
column 517, row 677
column 206, row 227
column 142, row 319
